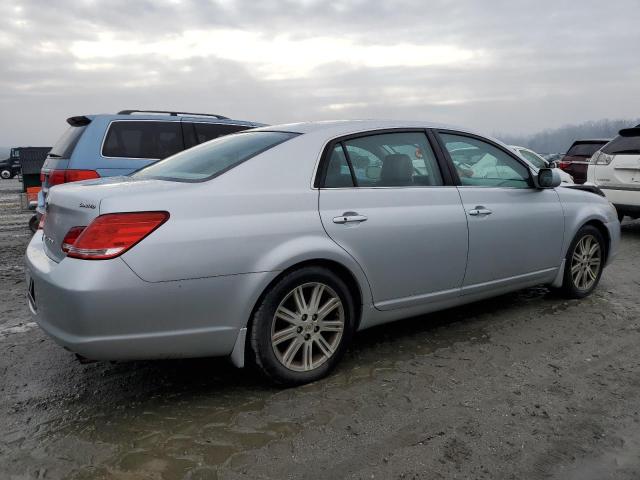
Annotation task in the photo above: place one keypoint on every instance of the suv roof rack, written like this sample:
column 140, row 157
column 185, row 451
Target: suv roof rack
column 174, row 114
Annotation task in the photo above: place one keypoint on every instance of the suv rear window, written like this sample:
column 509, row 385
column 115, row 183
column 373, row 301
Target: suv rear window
column 584, row 149
column 143, row 139
column 209, row 131
column 623, row 145
column 67, row 142
column 213, row 158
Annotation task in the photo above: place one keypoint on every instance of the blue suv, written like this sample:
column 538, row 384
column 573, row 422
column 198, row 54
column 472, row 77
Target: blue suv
column 107, row 145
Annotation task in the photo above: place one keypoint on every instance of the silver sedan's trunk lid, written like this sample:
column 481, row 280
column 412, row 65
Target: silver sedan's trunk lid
column 77, row 204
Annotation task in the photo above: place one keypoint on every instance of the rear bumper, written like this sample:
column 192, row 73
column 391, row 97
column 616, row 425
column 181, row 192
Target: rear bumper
column 102, row 310
column 625, row 200
column 578, row 171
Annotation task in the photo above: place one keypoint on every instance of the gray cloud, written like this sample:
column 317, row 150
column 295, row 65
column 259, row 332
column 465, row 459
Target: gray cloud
column 529, row 65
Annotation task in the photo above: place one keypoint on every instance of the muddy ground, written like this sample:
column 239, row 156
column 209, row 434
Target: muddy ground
column 526, row 385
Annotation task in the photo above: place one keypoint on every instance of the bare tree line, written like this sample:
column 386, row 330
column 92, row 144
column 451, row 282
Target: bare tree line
column 558, row 140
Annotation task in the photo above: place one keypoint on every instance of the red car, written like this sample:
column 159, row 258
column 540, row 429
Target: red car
column 576, row 160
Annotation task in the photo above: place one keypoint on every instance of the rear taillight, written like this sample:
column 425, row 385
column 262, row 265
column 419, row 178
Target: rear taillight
column 601, row 158
column 113, row 234
column 71, row 237
column 57, row 177
column 564, row 164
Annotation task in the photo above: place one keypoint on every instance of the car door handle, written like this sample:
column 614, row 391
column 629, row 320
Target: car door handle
column 349, row 217
column 479, row 211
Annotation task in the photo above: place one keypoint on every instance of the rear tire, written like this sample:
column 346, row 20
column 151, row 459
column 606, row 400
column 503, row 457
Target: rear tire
column 302, row 326
column 584, row 263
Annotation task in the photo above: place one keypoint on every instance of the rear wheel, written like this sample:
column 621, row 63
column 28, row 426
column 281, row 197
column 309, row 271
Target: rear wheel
column 33, row 223
column 302, row 327
column 5, row 174
column 584, row 263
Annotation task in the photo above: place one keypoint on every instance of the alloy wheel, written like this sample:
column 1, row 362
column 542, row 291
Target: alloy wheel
column 307, row 327
column 586, row 262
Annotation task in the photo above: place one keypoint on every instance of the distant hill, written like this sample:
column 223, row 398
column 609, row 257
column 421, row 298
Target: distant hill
column 558, row 140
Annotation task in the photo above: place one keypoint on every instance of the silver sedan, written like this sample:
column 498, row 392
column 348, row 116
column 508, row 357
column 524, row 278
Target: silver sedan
column 276, row 244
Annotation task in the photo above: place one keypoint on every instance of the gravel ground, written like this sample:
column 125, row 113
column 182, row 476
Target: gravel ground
column 526, row 385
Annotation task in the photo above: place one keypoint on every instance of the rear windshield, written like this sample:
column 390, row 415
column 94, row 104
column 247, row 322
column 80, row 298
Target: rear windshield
column 143, row 139
column 623, row 145
column 67, row 142
column 213, row 158
column 584, row 149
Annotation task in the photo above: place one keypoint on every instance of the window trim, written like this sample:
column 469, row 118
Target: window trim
column 321, row 170
column 454, row 172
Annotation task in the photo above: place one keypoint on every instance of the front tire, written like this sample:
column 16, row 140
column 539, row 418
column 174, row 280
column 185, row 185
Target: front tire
column 5, row 174
column 584, row 263
column 302, row 326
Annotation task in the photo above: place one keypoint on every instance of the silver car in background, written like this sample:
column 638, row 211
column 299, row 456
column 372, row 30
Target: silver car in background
column 538, row 162
column 278, row 243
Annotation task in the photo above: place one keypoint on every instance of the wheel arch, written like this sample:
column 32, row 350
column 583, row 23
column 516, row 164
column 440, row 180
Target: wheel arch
column 338, row 268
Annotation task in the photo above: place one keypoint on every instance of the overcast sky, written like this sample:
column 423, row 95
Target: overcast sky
column 498, row 66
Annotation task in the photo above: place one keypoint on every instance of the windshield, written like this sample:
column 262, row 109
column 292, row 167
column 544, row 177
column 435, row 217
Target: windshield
column 213, row 158
column 67, row 142
column 534, row 159
column 584, row 149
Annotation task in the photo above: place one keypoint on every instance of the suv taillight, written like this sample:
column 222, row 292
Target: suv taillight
column 564, row 164
column 112, row 234
column 57, row 177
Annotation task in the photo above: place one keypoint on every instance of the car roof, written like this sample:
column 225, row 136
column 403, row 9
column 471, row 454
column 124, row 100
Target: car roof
column 335, row 128
column 160, row 116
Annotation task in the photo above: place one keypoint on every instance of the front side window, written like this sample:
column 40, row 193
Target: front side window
column 403, row 159
column 213, row 158
column 534, row 159
column 481, row 164
column 143, row 139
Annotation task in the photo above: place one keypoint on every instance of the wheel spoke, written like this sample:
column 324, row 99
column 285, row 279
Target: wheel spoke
column 594, row 248
column 301, row 303
column 576, row 256
column 284, row 335
column 307, row 356
column 328, row 307
column 316, row 296
column 291, row 351
column 575, row 268
column 331, row 326
column 287, row 315
column 327, row 349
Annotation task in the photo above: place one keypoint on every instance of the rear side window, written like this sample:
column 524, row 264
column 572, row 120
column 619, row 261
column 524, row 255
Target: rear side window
column 584, row 149
column 67, row 142
column 403, row 159
column 213, row 158
column 209, row 131
column 623, row 145
column 143, row 139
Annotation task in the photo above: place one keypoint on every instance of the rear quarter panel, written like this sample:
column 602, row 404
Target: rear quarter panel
column 261, row 216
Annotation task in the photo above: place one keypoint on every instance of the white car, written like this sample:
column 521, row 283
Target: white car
column 615, row 168
column 539, row 162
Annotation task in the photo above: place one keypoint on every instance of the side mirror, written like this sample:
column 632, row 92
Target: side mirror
column 548, row 178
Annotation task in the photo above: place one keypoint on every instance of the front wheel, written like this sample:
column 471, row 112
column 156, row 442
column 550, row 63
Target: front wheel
column 302, row 327
column 5, row 174
column 584, row 263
